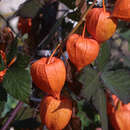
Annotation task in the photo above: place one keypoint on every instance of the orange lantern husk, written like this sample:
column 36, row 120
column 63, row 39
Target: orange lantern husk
column 100, row 24
column 49, row 77
column 119, row 113
column 82, row 51
column 55, row 114
column 122, row 10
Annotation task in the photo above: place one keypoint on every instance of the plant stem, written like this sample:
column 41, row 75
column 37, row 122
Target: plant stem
column 12, row 61
column 53, row 53
column 83, row 18
column 83, row 34
column 7, row 22
column 13, row 114
column 104, row 8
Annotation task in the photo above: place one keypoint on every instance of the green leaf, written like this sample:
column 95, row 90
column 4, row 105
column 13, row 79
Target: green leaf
column 126, row 61
column 29, row 8
column 126, row 35
column 84, row 120
column 2, row 104
column 92, row 90
column 103, row 57
column 17, row 83
column 118, row 82
column 99, row 101
column 22, row 61
column 3, row 93
column 25, row 112
column 2, row 65
column 10, row 104
column 12, row 50
column 17, row 80
column 89, row 78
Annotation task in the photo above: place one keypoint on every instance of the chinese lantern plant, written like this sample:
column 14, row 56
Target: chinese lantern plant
column 100, row 24
column 122, row 10
column 49, row 74
column 119, row 114
column 82, row 51
column 55, row 113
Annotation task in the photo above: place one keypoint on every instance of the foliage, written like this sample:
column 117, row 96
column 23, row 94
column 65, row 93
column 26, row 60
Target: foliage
column 52, row 22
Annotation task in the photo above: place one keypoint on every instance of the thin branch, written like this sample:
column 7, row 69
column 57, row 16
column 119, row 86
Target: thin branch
column 22, row 113
column 82, row 19
column 6, row 116
column 49, row 60
column 78, row 25
column 13, row 114
column 35, row 99
column 8, row 24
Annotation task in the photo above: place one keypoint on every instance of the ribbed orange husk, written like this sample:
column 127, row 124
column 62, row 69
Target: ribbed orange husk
column 82, row 51
column 100, row 25
column 122, row 10
column 49, row 77
column 55, row 114
column 24, row 25
column 119, row 114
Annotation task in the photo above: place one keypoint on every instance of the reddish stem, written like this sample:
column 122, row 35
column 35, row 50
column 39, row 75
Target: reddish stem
column 12, row 61
column 104, row 8
column 13, row 114
column 83, row 34
column 48, row 62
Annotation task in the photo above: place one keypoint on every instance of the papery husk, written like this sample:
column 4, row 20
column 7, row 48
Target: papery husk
column 49, row 77
column 100, row 24
column 119, row 113
column 122, row 10
column 55, row 114
column 82, row 51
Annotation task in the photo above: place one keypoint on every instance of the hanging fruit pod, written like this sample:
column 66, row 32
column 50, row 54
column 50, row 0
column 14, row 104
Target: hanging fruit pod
column 119, row 113
column 122, row 10
column 49, row 77
column 24, row 25
column 100, row 24
column 55, row 114
column 82, row 51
